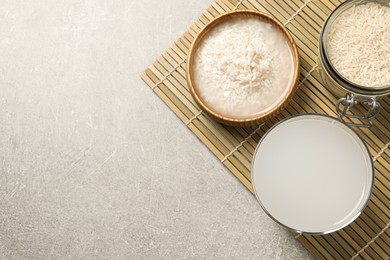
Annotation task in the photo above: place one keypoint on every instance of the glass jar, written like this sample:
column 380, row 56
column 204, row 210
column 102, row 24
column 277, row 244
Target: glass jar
column 351, row 93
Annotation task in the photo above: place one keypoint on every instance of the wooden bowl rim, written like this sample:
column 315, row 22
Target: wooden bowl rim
column 216, row 22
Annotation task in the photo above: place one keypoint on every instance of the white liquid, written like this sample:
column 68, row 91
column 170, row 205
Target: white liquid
column 243, row 67
column 312, row 174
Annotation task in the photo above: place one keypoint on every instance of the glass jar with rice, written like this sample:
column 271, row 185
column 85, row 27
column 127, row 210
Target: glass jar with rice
column 354, row 56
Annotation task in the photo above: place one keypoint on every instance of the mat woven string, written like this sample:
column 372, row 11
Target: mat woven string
column 366, row 238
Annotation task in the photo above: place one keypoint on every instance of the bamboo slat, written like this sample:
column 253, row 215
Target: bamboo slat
column 366, row 238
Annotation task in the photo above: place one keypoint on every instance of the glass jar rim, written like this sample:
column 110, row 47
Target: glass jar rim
column 332, row 71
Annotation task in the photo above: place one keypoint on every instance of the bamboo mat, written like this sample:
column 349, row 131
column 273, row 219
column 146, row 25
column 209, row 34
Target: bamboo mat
column 366, row 238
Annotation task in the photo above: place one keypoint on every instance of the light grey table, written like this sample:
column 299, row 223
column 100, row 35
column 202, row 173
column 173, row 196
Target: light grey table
column 92, row 163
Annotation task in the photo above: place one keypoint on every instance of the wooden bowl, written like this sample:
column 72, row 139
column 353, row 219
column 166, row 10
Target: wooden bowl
column 259, row 118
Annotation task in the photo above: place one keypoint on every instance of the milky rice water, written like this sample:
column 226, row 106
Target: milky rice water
column 243, row 67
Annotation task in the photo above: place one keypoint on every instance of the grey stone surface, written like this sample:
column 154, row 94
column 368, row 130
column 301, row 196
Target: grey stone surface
column 93, row 165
